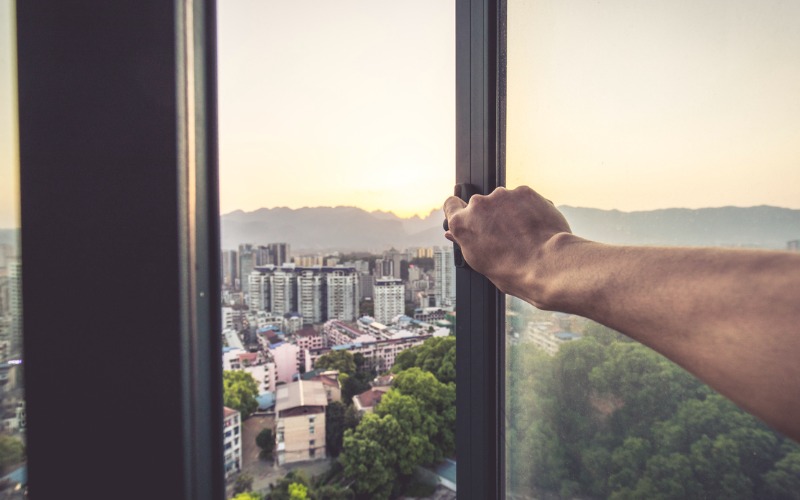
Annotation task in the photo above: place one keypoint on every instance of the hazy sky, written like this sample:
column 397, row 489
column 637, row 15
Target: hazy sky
column 615, row 104
column 337, row 102
column 9, row 162
column 635, row 104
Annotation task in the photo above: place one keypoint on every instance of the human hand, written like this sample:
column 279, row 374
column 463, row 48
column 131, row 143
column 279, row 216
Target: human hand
column 505, row 236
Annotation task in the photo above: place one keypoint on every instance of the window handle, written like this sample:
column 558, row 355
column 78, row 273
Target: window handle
column 465, row 192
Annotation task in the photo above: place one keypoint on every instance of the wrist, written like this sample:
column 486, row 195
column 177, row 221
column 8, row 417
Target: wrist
column 553, row 280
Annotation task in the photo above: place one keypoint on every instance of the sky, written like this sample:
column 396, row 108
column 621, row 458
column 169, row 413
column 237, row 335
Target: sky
column 616, row 104
column 344, row 102
column 636, row 105
column 9, row 150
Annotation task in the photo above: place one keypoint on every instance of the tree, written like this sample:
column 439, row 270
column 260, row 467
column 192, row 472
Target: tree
column 783, row 481
column 266, row 442
column 249, row 495
column 436, row 355
column 353, row 385
column 282, row 491
column 334, row 427
column 337, row 360
column 12, row 452
column 436, row 401
column 239, row 392
column 298, row 491
column 243, row 483
column 369, row 455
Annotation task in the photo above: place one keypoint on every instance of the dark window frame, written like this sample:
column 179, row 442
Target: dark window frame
column 480, row 161
column 118, row 176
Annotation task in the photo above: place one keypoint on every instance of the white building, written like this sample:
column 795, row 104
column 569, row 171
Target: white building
column 282, row 284
column 300, row 421
column 15, row 305
column 310, row 297
column 258, row 289
column 445, row 276
column 232, row 441
column 343, row 293
column 389, row 299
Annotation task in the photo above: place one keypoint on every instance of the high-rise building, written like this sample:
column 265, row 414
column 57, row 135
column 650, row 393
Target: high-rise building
column 343, row 293
column 280, row 253
column 263, row 255
column 15, row 304
column 258, row 296
column 311, row 300
column 282, row 291
column 445, row 276
column 247, row 263
column 389, row 299
column 229, row 262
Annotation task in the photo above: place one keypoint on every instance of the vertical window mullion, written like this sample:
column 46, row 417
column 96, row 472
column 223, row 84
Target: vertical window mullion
column 479, row 306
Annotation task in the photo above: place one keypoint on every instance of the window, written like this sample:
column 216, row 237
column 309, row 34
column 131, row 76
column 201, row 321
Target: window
column 12, row 390
column 336, row 141
column 124, row 127
column 661, row 123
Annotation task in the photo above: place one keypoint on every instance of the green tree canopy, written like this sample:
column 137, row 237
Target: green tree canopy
column 370, row 453
column 337, row 360
column 436, row 355
column 266, row 441
column 249, row 495
column 239, row 392
column 12, row 452
column 334, row 427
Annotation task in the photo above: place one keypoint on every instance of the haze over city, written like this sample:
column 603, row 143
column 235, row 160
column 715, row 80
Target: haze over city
column 351, row 103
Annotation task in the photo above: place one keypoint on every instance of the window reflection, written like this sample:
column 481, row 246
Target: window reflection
column 667, row 123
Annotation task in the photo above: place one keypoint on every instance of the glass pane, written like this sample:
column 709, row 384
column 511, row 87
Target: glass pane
column 337, row 132
column 649, row 123
column 12, row 397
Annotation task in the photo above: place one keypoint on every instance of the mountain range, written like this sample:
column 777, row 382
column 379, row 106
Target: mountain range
column 349, row 228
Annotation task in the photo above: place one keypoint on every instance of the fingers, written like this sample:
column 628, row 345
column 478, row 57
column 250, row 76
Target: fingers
column 452, row 206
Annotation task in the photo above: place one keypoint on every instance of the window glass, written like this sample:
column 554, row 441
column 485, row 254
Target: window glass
column 12, row 397
column 337, row 134
column 650, row 123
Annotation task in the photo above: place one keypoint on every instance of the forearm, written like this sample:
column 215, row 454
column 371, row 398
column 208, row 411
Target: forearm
column 730, row 317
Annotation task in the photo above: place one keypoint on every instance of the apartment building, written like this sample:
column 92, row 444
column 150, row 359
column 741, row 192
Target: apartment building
column 378, row 354
column 389, row 299
column 445, row 276
column 336, row 332
column 232, row 441
column 300, row 421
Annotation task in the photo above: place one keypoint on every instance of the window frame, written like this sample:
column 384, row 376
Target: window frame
column 133, row 110
column 480, row 161
column 118, row 165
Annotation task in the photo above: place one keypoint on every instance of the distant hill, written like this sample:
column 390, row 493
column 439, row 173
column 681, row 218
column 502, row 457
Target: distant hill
column 350, row 228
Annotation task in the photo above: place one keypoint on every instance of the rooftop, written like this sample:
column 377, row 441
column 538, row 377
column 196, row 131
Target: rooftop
column 299, row 394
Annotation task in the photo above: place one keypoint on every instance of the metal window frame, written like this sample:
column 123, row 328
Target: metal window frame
column 480, row 160
column 117, row 131
column 122, row 96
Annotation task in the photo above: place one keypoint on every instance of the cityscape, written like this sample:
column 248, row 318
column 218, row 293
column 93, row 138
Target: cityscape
column 316, row 342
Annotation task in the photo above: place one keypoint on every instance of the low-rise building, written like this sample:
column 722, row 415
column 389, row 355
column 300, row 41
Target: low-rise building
column 232, row 441
column 378, row 354
column 300, row 421
column 367, row 400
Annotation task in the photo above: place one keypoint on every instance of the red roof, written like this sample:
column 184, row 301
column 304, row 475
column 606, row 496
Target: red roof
column 307, row 331
column 370, row 398
column 228, row 412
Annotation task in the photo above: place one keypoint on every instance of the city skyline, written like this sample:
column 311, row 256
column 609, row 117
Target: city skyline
column 356, row 100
